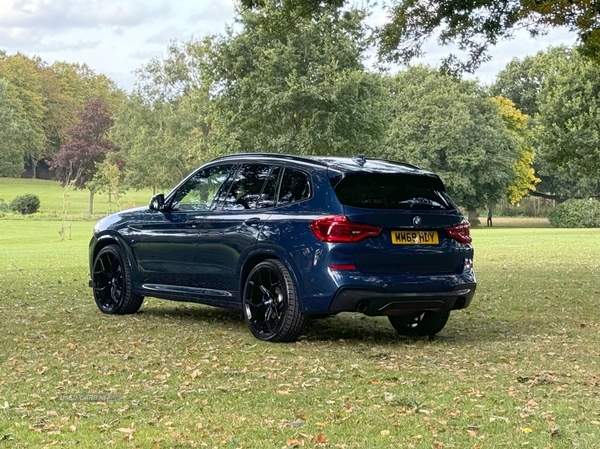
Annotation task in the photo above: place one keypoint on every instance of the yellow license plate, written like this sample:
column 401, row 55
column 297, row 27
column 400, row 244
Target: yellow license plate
column 415, row 238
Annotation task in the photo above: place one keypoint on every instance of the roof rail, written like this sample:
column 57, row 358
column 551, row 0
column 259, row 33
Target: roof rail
column 288, row 157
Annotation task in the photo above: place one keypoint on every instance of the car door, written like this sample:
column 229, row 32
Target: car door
column 231, row 230
column 168, row 246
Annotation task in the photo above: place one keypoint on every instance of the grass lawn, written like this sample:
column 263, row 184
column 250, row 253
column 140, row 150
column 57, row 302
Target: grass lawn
column 520, row 368
column 51, row 196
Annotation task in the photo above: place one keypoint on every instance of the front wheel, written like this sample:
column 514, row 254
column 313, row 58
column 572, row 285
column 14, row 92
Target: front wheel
column 271, row 306
column 112, row 282
column 425, row 323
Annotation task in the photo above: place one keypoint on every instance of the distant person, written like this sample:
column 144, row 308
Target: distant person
column 489, row 218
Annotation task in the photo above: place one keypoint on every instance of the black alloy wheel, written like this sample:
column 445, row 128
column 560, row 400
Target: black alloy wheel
column 271, row 306
column 111, row 281
column 425, row 323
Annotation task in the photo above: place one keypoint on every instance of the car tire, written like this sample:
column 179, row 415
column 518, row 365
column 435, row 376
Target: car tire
column 270, row 303
column 426, row 323
column 112, row 282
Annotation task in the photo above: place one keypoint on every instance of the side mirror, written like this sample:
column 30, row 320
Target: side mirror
column 157, row 202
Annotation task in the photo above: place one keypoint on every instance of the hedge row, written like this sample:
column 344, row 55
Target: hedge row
column 576, row 214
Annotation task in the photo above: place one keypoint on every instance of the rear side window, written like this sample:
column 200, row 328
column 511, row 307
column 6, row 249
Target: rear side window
column 294, row 187
column 246, row 188
column 267, row 197
column 393, row 191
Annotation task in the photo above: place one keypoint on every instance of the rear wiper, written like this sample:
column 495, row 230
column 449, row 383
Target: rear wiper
column 422, row 202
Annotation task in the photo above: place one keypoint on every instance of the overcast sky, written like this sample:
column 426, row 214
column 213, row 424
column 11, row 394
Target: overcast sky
column 115, row 37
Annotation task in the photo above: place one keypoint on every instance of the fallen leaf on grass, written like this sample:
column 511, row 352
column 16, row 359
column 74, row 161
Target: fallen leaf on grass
column 321, row 439
column 384, row 433
column 503, row 418
column 526, row 430
column 198, row 426
column 295, row 423
column 294, row 442
column 555, row 431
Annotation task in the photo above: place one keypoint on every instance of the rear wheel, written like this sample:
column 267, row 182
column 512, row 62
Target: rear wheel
column 426, row 323
column 112, row 283
column 271, row 306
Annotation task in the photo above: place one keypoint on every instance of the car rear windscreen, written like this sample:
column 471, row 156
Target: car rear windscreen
column 393, row 191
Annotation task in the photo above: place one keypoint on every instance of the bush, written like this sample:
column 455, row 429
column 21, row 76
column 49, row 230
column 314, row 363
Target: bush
column 576, row 214
column 25, row 204
column 3, row 206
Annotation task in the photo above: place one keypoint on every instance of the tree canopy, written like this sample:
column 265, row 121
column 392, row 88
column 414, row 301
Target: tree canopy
column 567, row 126
column 546, row 86
column 472, row 26
column 87, row 146
column 304, row 90
column 451, row 127
column 13, row 132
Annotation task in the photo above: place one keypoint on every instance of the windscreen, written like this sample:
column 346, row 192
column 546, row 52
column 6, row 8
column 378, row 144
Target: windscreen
column 393, row 191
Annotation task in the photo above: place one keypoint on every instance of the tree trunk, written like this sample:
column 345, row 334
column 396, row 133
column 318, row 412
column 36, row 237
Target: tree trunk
column 472, row 215
column 91, row 209
column 34, row 167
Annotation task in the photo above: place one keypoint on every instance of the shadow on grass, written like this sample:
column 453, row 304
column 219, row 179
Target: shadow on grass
column 460, row 330
column 195, row 313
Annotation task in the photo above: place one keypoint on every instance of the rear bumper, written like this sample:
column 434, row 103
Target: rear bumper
column 375, row 302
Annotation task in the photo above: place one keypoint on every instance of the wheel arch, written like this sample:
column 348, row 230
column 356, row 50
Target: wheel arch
column 112, row 239
column 259, row 256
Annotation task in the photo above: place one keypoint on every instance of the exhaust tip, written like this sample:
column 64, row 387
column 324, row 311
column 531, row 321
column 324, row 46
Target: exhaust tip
column 362, row 306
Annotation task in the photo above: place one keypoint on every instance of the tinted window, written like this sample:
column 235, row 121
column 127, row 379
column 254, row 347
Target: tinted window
column 267, row 197
column 294, row 187
column 383, row 191
column 246, row 187
column 199, row 191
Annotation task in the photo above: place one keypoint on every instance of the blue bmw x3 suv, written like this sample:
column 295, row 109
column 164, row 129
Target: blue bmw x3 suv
column 283, row 238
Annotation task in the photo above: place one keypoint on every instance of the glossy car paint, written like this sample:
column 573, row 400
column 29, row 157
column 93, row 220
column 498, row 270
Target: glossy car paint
column 204, row 256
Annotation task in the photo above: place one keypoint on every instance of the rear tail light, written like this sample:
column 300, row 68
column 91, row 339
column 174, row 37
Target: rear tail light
column 461, row 232
column 339, row 229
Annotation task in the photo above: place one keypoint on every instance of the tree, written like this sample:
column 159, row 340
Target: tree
column 301, row 90
column 522, row 79
column 80, row 83
column 109, row 177
column 87, row 145
column 13, row 132
column 59, row 114
column 516, row 123
column 451, row 127
column 154, row 144
column 473, row 26
column 567, row 126
column 23, row 74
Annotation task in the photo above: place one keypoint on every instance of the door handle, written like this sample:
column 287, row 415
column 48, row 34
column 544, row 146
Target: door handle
column 252, row 221
column 192, row 224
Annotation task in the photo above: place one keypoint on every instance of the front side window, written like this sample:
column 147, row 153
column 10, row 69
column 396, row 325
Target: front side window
column 199, row 191
column 247, row 187
column 294, row 187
